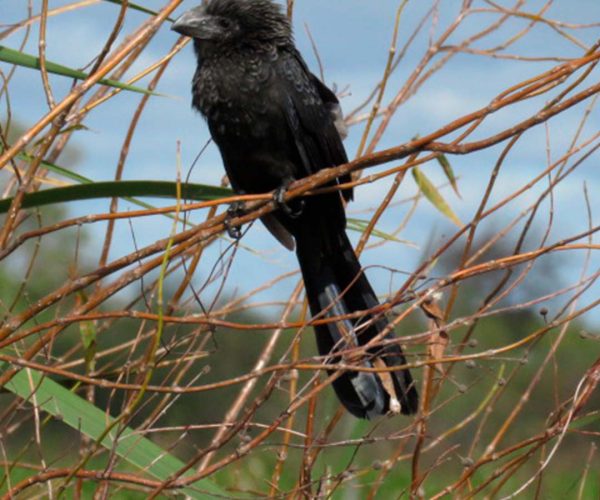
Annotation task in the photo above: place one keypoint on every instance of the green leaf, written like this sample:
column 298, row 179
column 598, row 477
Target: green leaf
column 84, row 417
column 87, row 330
column 78, row 178
column 360, row 225
column 122, row 189
column 28, row 61
column 69, row 174
column 433, row 195
column 133, row 6
column 447, row 168
column 53, row 168
column 88, row 333
column 585, row 421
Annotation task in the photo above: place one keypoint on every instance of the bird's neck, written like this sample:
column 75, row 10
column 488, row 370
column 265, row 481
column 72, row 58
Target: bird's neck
column 211, row 50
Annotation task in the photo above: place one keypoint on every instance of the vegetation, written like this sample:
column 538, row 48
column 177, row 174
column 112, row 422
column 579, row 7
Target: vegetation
column 145, row 355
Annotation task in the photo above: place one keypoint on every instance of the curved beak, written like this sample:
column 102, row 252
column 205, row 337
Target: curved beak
column 196, row 24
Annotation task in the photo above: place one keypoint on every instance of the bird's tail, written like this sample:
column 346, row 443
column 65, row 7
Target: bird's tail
column 336, row 286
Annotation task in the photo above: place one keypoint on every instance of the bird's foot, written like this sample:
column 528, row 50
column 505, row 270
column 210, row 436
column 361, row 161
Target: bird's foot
column 293, row 209
column 236, row 209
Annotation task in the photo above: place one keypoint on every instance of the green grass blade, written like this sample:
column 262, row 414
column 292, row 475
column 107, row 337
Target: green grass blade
column 69, row 174
column 360, row 226
column 434, row 196
column 442, row 159
column 28, row 61
column 91, row 421
column 121, row 189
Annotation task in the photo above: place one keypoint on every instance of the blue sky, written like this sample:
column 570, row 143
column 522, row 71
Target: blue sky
column 353, row 38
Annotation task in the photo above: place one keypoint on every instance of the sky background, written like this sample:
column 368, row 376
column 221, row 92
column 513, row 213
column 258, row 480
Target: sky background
column 353, row 39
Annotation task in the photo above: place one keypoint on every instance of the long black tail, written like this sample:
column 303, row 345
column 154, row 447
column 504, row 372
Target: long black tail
column 335, row 286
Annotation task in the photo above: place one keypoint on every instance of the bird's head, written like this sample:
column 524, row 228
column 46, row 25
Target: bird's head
column 234, row 22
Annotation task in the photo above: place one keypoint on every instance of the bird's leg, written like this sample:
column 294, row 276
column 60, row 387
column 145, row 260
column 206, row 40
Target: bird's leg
column 236, row 209
column 279, row 198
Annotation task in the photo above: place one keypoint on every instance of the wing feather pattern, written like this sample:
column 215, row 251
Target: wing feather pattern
column 311, row 111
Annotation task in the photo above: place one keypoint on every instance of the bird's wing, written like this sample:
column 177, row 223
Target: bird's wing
column 333, row 106
column 311, row 111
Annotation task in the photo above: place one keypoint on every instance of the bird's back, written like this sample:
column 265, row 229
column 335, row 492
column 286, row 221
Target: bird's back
column 266, row 115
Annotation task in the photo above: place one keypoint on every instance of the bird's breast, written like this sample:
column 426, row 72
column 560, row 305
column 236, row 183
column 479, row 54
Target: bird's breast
column 235, row 97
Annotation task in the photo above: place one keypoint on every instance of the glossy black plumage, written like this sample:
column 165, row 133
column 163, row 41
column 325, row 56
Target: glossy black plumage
column 275, row 122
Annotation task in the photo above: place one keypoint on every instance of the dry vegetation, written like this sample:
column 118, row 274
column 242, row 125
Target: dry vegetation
column 145, row 375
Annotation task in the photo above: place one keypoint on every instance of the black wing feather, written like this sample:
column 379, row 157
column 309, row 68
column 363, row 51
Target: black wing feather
column 309, row 110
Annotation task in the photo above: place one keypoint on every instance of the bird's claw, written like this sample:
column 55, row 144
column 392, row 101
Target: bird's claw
column 279, row 198
column 236, row 209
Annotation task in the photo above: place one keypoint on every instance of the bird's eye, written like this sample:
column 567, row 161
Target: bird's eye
column 224, row 23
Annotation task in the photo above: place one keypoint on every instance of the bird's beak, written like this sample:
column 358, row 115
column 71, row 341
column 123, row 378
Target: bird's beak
column 196, row 24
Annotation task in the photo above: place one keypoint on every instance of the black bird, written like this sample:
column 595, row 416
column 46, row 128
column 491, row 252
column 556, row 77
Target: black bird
column 275, row 122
